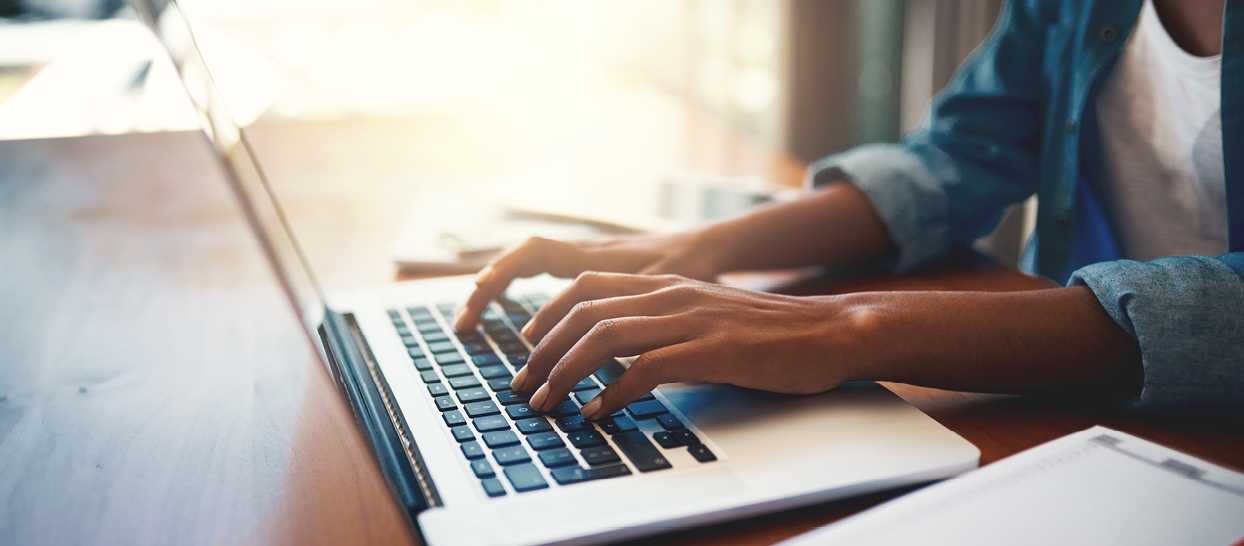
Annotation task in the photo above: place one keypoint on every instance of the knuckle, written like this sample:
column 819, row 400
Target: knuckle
column 582, row 311
column 605, row 330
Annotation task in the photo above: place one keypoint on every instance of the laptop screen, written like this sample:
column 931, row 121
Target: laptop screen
column 242, row 168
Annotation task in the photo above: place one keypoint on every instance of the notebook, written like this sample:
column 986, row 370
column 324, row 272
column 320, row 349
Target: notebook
column 1096, row 486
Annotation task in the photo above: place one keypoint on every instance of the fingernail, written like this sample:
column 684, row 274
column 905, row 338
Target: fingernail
column 519, row 379
column 483, row 274
column 460, row 320
column 527, row 331
column 537, row 399
column 593, row 406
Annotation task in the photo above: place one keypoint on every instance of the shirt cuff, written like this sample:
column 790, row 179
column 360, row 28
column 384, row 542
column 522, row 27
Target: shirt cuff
column 1185, row 315
column 908, row 197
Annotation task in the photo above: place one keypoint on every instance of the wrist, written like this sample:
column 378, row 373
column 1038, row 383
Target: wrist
column 867, row 335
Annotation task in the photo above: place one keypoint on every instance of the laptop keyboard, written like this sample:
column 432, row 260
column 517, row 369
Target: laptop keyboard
column 503, row 439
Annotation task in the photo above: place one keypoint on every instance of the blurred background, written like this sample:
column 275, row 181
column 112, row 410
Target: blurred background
column 559, row 105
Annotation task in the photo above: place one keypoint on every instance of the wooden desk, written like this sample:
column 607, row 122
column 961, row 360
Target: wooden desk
column 153, row 388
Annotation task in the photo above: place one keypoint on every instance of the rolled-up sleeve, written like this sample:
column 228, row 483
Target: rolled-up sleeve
column 1185, row 313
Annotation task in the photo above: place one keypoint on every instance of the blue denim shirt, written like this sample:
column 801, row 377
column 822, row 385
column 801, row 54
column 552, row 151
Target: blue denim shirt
column 1017, row 120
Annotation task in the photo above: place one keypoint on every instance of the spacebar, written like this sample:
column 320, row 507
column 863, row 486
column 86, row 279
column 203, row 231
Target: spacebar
column 635, row 445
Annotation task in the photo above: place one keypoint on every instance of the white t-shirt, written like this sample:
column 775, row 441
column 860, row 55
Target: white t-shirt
column 1161, row 128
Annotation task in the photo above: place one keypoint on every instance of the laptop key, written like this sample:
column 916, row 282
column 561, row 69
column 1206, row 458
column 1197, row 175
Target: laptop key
column 481, row 408
column 574, row 474
column 482, row 469
column 685, row 436
column 584, row 384
column 486, row 360
column 646, row 409
column 573, row 423
column 614, row 425
column 600, row 455
column 446, row 359
column 445, row 403
column 476, row 348
column 533, row 425
column 422, row 364
column 544, row 440
column 565, row 408
column 464, row 382
column 586, row 396
column 491, row 423
column 511, row 455
column 604, row 472
column 454, row 418
column 667, row 440
column 441, row 346
column 701, row 453
column 520, row 411
column 430, row 376
column 435, row 337
column 525, row 477
column 456, row 370
column 500, row 438
column 462, row 433
column 587, row 438
column 554, row 458
column 669, row 422
column 437, row 389
column 568, row 475
column 517, row 360
column 508, row 398
column 493, row 487
column 640, row 451
column 500, row 383
column 609, row 372
column 472, row 450
column 410, row 341
column 467, row 396
column 494, row 372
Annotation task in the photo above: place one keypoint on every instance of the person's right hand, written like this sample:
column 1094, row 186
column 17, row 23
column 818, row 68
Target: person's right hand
column 683, row 254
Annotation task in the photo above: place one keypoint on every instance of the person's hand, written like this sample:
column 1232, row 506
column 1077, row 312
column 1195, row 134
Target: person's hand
column 687, row 330
column 686, row 254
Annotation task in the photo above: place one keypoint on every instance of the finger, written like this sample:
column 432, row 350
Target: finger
column 534, row 256
column 607, row 339
column 678, row 266
column 590, row 285
column 582, row 317
column 667, row 364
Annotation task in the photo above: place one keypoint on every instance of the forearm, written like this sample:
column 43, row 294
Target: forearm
column 831, row 226
column 1056, row 341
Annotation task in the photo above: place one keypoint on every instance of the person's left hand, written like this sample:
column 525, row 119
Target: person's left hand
column 687, row 330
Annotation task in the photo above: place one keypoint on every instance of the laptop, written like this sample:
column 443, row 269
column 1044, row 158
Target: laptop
column 470, row 463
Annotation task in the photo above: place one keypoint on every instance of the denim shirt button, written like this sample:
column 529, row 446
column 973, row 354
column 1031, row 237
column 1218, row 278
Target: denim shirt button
column 1107, row 33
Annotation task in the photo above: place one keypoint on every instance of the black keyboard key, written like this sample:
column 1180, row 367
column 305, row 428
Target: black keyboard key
column 513, row 346
column 415, row 352
column 418, row 312
column 584, row 384
column 586, row 396
column 446, row 359
column 569, row 475
column 493, row 487
column 445, row 403
column 533, row 425
column 587, row 438
column 600, row 455
column 517, row 360
column 437, row 389
column 442, row 347
column 640, row 451
column 456, row 370
column 464, row 382
column 525, row 477
column 466, row 396
column 494, row 372
column 685, row 436
column 482, row 469
column 565, row 408
column 491, row 423
column 701, row 453
column 462, row 433
column 476, row 348
column 500, row 438
column 574, row 474
column 554, row 458
column 394, row 315
column 544, row 440
column 485, row 360
column 669, row 422
column 667, row 440
column 454, row 418
column 614, row 425
column 604, row 472
column 520, row 411
column 423, row 364
column 508, row 398
column 646, row 396
column 609, row 372
column 481, row 408
column 500, row 383
column 435, row 337
column 472, row 450
column 430, row 376
column 511, row 455
column 574, row 423
column 645, row 410
column 410, row 341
